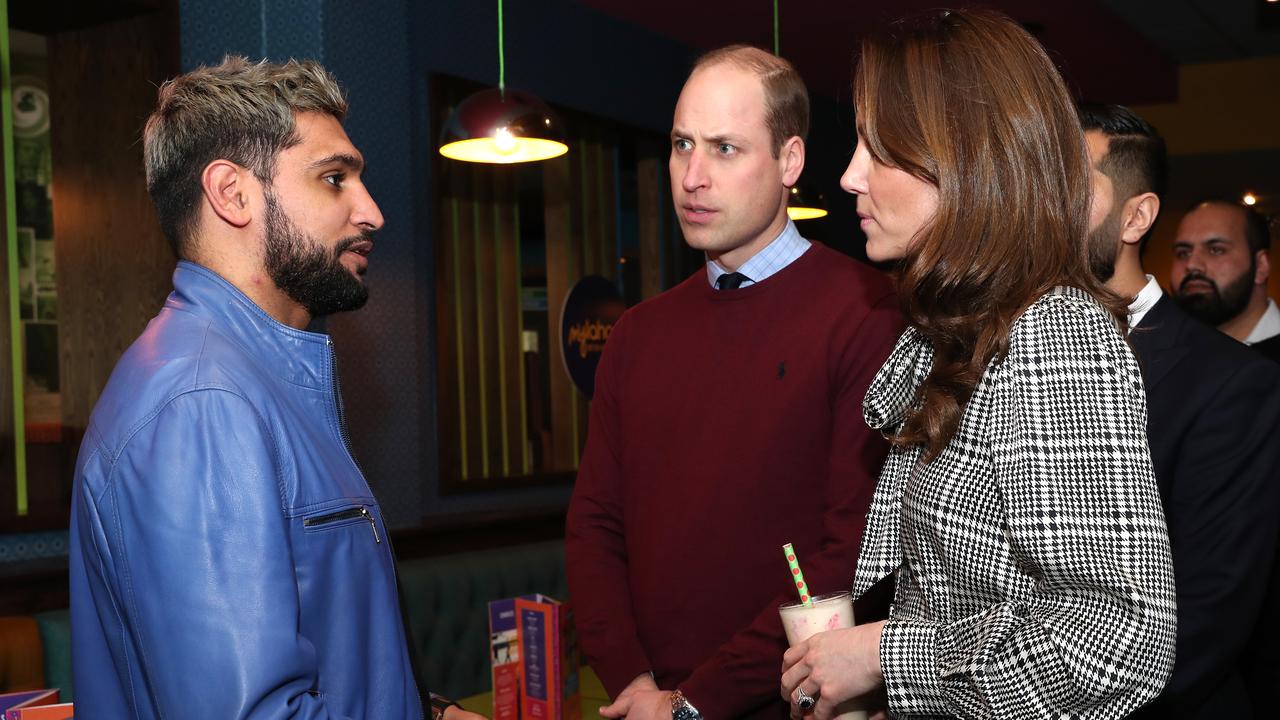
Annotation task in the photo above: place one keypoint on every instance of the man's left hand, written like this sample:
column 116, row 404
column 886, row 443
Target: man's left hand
column 641, row 705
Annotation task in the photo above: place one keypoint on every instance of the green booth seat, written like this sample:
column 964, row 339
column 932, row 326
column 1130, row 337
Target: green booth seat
column 55, row 635
column 447, row 602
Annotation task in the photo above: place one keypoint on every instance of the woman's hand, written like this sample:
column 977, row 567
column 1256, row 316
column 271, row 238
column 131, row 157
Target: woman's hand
column 833, row 666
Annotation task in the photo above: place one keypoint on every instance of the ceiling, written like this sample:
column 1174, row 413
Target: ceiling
column 1121, row 51
column 1190, row 31
column 47, row 17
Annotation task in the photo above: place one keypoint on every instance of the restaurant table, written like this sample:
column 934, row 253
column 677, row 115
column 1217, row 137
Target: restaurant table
column 593, row 697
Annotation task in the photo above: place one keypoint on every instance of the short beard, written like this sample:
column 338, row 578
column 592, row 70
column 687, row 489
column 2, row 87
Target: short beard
column 1219, row 305
column 302, row 268
column 1104, row 245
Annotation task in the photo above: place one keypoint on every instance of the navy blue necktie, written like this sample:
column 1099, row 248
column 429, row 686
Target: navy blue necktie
column 731, row 281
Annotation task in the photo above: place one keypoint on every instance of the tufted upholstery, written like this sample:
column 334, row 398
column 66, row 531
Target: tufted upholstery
column 447, row 602
column 448, row 597
column 55, row 634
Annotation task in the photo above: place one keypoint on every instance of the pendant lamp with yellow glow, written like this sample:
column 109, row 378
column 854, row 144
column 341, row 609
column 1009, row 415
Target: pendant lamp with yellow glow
column 502, row 126
column 801, row 206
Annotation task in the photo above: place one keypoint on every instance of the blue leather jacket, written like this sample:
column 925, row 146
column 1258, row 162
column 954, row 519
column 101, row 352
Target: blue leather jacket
column 227, row 557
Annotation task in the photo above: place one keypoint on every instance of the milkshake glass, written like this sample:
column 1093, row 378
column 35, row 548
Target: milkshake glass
column 828, row 612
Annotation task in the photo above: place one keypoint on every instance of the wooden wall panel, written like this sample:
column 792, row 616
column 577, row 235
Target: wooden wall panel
column 114, row 265
column 607, row 192
column 561, row 273
column 448, row 337
column 513, row 424
column 486, row 329
column 649, row 206
column 465, row 300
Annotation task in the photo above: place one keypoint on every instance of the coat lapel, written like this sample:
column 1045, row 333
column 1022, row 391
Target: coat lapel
column 1157, row 341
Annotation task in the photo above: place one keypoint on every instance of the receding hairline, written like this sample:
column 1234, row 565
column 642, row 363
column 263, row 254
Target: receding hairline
column 747, row 57
column 1239, row 212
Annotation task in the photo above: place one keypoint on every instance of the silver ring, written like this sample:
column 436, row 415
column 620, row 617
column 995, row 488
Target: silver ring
column 803, row 700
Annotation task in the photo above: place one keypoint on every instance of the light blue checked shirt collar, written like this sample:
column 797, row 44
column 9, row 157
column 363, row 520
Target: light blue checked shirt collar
column 776, row 255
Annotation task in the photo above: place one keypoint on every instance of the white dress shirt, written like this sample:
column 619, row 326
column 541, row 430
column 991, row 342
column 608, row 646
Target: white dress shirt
column 1268, row 325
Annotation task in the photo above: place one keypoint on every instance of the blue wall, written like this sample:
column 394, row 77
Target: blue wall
column 382, row 51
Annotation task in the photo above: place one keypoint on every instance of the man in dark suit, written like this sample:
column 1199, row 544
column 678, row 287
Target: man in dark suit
column 1269, row 347
column 1213, row 414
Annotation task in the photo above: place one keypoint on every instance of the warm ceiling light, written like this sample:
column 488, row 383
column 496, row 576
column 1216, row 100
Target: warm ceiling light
column 805, row 213
column 1250, row 198
column 803, row 205
column 502, row 126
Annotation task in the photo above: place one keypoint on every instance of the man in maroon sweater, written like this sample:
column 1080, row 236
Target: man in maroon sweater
column 726, row 421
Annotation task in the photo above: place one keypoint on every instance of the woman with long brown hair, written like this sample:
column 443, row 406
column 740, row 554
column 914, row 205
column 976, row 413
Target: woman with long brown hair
column 1017, row 506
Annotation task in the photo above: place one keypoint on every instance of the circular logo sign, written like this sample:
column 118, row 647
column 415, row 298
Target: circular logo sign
column 30, row 110
column 590, row 310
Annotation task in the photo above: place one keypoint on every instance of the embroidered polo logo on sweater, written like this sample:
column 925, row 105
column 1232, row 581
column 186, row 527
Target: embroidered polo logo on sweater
column 782, row 369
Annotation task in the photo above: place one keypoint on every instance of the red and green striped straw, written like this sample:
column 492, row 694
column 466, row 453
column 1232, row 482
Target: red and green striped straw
column 797, row 575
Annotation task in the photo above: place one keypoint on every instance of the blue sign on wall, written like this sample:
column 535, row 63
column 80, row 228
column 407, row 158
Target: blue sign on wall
column 590, row 310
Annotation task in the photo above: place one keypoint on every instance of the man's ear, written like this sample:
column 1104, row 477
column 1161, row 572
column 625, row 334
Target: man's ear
column 1139, row 215
column 226, row 188
column 791, row 156
column 1263, row 264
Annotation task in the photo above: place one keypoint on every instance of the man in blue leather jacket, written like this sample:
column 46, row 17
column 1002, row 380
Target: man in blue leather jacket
column 228, row 559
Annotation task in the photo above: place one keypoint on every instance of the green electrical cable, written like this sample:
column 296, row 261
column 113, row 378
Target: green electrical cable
column 775, row 27
column 502, row 59
column 11, row 233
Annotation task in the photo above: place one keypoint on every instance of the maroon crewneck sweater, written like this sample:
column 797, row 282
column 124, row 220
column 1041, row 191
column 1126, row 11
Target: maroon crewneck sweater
column 724, row 424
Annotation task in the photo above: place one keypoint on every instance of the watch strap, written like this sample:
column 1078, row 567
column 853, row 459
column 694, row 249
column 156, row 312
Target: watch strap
column 439, row 704
column 682, row 709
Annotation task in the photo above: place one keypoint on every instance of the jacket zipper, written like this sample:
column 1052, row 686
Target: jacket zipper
column 347, row 514
column 346, row 441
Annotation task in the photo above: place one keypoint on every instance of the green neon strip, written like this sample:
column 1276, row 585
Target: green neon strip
column 502, row 55
column 524, row 405
column 775, row 27
column 11, row 231
column 502, row 345
column 458, row 339
column 481, row 365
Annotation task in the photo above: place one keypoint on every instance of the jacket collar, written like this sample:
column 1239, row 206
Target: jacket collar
column 296, row 356
column 1157, row 340
column 893, row 390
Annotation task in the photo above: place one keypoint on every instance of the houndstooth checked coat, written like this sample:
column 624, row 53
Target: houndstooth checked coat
column 1034, row 576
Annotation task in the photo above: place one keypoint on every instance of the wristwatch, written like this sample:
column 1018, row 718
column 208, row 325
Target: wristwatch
column 682, row 709
column 439, row 704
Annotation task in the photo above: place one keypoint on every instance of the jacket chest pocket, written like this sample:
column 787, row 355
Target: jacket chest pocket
column 344, row 517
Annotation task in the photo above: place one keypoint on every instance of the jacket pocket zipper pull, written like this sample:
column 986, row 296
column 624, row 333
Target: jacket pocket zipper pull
column 372, row 524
